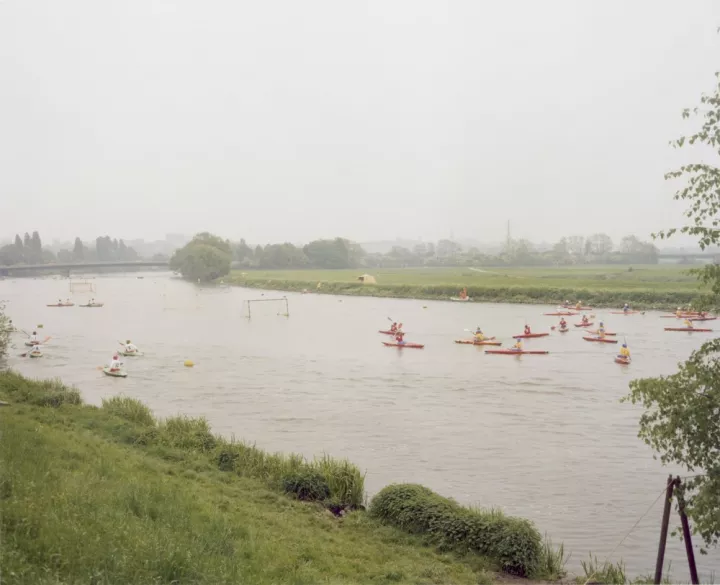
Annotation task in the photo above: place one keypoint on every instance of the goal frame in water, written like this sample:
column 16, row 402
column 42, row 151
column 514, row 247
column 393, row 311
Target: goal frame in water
column 81, row 286
column 280, row 300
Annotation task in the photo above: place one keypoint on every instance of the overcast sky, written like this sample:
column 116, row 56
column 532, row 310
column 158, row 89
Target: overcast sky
column 290, row 120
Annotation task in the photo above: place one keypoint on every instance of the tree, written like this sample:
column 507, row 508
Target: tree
column 18, row 242
column 27, row 245
column 242, row 251
column 448, row 248
column 206, row 257
column 576, row 245
column 78, row 250
column 637, row 251
column 65, row 256
column 337, row 253
column 11, row 255
column 682, row 417
column 600, row 244
column 35, row 248
column 561, row 251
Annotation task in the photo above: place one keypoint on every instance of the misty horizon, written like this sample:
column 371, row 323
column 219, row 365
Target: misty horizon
column 292, row 122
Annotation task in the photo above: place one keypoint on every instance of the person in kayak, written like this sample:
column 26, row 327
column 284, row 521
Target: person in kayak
column 688, row 323
column 479, row 335
column 393, row 327
column 624, row 352
column 563, row 323
column 578, row 306
column 527, row 330
column 585, row 320
column 601, row 330
column 678, row 313
column 399, row 336
column 35, row 351
column 34, row 338
column 626, row 308
column 130, row 347
column 115, row 363
column 399, row 329
column 518, row 345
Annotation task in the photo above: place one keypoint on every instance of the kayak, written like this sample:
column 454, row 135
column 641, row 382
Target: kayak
column 473, row 342
column 625, row 312
column 130, row 353
column 115, row 374
column 703, row 318
column 388, row 332
column 530, row 335
column 515, row 352
column 560, row 314
column 622, row 360
column 563, row 329
column 590, row 324
column 35, row 355
column 597, row 333
column 688, row 329
column 580, row 309
column 600, row 339
column 406, row 344
column 31, row 344
column 93, row 305
column 460, row 300
column 62, row 305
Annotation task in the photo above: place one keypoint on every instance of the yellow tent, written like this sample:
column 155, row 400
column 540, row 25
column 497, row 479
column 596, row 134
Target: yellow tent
column 367, row 279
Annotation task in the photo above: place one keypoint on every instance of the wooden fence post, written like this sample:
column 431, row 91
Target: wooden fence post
column 664, row 530
column 687, row 536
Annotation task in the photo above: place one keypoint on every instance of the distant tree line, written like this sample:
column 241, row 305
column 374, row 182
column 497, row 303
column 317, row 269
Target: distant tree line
column 342, row 253
column 29, row 250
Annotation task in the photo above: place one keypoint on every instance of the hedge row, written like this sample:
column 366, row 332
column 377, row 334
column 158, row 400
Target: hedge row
column 514, row 542
column 638, row 298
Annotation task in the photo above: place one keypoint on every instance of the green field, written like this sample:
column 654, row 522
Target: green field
column 651, row 286
column 111, row 496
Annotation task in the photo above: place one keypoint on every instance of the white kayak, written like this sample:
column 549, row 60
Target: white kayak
column 460, row 300
column 35, row 354
column 131, row 353
column 115, row 374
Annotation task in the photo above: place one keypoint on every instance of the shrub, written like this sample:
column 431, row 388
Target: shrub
column 183, row 432
column 129, row 409
column 308, row 485
column 346, row 482
column 514, row 542
column 51, row 393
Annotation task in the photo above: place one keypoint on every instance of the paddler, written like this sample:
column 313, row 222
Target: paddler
column 585, row 320
column 624, row 352
column 626, row 308
column 393, row 327
column 115, row 363
column 518, row 345
column 601, row 330
column 34, row 338
column 578, row 306
column 130, row 347
column 527, row 330
column 689, row 324
column 563, row 323
column 399, row 329
column 679, row 313
column 35, row 351
column 399, row 336
column 479, row 335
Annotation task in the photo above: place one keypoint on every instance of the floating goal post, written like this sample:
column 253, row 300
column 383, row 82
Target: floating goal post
column 81, row 286
column 280, row 300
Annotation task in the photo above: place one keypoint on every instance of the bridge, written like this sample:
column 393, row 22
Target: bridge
column 67, row 268
column 708, row 257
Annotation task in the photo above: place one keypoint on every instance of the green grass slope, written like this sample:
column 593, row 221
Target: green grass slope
column 108, row 496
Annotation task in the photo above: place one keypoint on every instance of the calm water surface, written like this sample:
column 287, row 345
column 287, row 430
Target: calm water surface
column 543, row 437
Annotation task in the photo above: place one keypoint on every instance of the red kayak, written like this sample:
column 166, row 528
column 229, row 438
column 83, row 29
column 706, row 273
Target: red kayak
column 622, row 360
column 406, row 344
column 530, row 335
column 473, row 342
column 688, row 329
column 625, row 312
column 589, row 324
column 560, row 314
column 703, row 318
column 600, row 339
column 389, row 332
column 515, row 352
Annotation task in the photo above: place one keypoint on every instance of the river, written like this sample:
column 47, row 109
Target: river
column 543, row 437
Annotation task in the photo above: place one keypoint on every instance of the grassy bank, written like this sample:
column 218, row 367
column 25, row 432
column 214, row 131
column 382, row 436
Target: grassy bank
column 112, row 495
column 645, row 287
